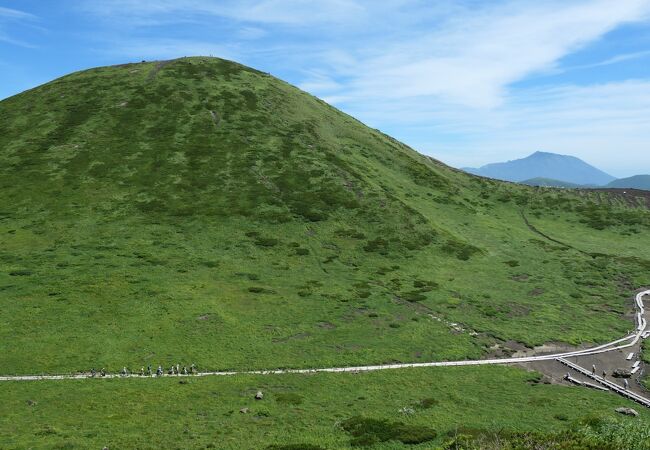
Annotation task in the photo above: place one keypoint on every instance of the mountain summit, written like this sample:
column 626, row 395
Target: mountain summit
column 568, row 169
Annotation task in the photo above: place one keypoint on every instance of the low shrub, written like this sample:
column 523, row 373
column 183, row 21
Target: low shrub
column 366, row 432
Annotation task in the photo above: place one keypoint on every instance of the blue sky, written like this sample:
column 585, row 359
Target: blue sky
column 466, row 81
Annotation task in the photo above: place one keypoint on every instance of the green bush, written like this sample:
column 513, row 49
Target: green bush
column 366, row 432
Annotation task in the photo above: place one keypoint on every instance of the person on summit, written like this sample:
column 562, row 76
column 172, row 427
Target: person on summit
column 593, row 369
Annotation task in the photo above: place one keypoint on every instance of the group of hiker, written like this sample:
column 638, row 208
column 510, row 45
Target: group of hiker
column 626, row 384
column 159, row 372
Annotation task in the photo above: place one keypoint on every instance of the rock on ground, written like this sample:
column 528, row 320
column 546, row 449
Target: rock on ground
column 627, row 411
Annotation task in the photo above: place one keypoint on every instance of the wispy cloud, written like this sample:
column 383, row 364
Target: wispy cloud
column 8, row 17
column 8, row 13
column 473, row 57
column 613, row 60
column 593, row 122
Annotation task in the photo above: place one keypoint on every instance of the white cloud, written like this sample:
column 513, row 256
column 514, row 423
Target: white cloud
column 8, row 16
column 606, row 124
column 472, row 58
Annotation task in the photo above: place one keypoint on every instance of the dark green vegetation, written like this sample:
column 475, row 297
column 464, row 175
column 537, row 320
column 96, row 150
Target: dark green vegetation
column 198, row 211
column 379, row 410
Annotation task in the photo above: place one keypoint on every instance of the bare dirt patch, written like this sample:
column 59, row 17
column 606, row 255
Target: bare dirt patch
column 522, row 277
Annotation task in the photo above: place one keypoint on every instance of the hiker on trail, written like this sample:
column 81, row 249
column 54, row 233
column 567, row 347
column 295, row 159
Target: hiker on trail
column 626, row 384
column 102, row 372
column 178, row 369
column 184, row 370
column 604, row 374
column 171, row 371
column 142, row 371
column 593, row 369
column 567, row 376
column 149, row 369
column 92, row 372
column 159, row 371
column 124, row 371
column 193, row 369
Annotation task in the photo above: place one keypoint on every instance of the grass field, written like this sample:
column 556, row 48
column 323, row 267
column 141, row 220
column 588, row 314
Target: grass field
column 295, row 409
column 198, row 211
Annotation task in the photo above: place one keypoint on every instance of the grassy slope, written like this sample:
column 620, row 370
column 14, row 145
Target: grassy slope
column 205, row 212
column 296, row 409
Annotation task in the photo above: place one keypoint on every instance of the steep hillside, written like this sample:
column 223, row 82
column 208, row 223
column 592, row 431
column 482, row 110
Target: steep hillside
column 635, row 182
column 552, row 166
column 200, row 211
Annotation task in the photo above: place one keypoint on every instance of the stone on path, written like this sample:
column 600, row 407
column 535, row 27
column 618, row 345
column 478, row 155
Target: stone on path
column 259, row 395
column 627, row 411
column 622, row 373
column 244, row 410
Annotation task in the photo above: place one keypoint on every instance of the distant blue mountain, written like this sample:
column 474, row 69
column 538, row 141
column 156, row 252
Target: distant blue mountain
column 568, row 169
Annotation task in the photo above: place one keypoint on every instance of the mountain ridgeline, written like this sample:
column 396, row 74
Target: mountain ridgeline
column 545, row 165
column 635, row 182
column 552, row 170
column 200, row 210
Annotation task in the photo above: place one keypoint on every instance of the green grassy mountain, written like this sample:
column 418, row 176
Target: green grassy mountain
column 199, row 211
column 635, row 182
column 171, row 209
column 549, row 182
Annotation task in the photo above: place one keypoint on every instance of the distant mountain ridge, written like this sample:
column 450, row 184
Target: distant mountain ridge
column 563, row 168
column 635, row 182
column 549, row 182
